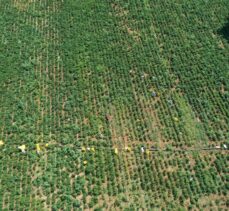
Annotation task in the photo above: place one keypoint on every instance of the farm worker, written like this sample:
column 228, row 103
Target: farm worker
column 83, row 149
column 147, row 153
column 88, row 148
column 46, row 145
column 1, row 143
column 170, row 102
column 127, row 149
column 175, row 119
column 84, row 162
column 38, row 149
column 93, row 149
column 108, row 118
column 142, row 149
column 22, row 148
column 153, row 94
column 116, row 151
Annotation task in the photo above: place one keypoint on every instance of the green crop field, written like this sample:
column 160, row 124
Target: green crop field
column 114, row 105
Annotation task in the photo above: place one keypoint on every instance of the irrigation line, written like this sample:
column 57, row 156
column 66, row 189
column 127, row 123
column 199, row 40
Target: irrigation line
column 120, row 149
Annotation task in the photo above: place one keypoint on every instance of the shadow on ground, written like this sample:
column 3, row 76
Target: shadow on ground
column 225, row 30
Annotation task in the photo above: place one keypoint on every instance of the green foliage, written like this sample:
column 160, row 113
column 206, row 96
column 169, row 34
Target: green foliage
column 108, row 74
